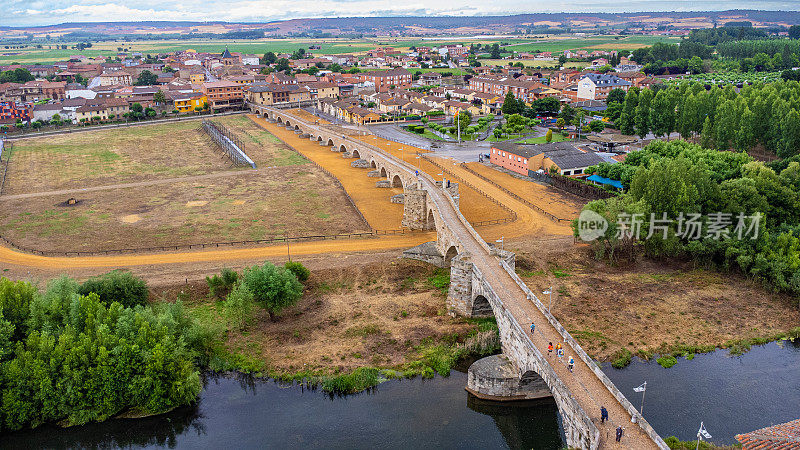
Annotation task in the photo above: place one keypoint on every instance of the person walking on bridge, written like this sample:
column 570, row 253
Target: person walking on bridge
column 619, row 433
column 603, row 414
column 571, row 364
column 549, row 349
column 533, row 329
column 558, row 350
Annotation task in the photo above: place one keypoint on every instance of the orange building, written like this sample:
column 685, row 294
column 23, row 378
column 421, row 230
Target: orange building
column 224, row 94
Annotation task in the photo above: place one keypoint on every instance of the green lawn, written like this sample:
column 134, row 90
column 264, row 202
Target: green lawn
column 541, row 139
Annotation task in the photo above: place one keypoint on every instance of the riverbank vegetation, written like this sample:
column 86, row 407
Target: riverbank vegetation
column 349, row 331
column 74, row 353
column 75, row 358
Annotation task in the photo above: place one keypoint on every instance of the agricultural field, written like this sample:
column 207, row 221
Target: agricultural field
column 328, row 46
column 158, row 185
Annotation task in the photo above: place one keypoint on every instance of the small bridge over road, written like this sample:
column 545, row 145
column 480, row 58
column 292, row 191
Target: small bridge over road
column 483, row 282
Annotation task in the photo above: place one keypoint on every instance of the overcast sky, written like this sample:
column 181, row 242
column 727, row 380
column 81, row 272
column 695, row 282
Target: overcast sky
column 45, row 12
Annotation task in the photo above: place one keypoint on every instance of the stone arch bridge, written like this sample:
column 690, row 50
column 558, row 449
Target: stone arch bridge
column 483, row 283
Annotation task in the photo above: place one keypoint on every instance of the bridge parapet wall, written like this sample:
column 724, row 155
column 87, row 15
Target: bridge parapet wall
column 632, row 411
column 517, row 346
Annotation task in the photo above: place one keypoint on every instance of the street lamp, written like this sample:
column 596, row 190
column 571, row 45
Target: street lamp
column 549, row 292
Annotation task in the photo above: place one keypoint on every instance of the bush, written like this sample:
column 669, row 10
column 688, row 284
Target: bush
column 667, row 361
column 274, row 288
column 239, row 307
column 82, row 360
column 299, row 270
column 220, row 285
column 117, row 286
column 361, row 379
column 621, row 359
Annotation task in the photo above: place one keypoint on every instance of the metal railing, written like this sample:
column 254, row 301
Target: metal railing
column 228, row 142
column 6, row 147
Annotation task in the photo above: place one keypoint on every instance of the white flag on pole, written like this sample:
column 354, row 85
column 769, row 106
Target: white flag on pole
column 641, row 388
column 702, row 431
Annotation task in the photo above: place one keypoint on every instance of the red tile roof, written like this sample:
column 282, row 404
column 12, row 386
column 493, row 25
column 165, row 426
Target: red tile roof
column 785, row 436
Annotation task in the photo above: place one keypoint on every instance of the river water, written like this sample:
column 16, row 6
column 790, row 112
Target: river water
column 730, row 394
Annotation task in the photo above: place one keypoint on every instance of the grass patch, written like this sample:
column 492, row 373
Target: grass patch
column 621, row 359
column 364, row 331
column 359, row 380
column 667, row 361
column 440, row 280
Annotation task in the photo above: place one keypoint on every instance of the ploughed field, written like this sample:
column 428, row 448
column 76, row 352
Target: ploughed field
column 164, row 184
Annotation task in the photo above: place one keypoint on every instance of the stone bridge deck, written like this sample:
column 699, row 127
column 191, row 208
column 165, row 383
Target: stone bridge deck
column 487, row 275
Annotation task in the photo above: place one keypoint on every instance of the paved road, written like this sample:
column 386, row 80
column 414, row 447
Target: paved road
column 466, row 151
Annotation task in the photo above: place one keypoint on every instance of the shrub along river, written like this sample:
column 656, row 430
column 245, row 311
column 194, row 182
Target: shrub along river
column 730, row 394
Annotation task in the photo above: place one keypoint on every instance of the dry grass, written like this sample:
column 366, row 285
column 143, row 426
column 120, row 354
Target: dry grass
column 286, row 195
column 651, row 305
column 371, row 315
column 294, row 200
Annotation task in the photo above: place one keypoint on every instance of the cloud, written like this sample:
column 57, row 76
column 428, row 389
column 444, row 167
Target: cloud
column 41, row 12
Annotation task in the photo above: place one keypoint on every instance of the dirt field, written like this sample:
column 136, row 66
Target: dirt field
column 369, row 315
column 285, row 195
column 373, row 202
column 650, row 305
column 109, row 157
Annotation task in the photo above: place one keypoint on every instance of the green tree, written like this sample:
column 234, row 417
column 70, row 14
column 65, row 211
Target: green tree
column 299, row 270
column 274, row 288
column 662, row 114
column 642, row 116
column 549, row 136
column 616, row 95
column 567, row 113
column 146, row 78
column 560, row 123
column 511, row 105
column 627, row 119
column 239, row 306
column 159, row 97
column 117, row 286
column 269, row 58
column 282, row 65
column 790, row 126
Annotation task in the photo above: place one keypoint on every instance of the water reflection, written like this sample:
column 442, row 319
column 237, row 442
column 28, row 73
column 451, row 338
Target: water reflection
column 731, row 395
column 250, row 413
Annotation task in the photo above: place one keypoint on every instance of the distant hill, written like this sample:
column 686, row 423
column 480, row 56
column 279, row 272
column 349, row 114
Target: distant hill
column 411, row 25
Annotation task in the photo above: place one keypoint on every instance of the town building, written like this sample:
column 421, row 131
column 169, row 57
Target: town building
column 595, row 86
column 270, row 94
column 387, row 79
column 563, row 157
column 223, row 94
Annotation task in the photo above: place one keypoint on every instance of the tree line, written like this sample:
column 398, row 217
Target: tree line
column 76, row 353
column 720, row 118
column 671, row 178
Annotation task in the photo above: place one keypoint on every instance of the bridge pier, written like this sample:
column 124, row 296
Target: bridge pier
column 496, row 378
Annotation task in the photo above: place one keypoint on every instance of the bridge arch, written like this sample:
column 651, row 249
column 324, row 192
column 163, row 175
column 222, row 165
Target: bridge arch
column 383, row 172
column 529, row 377
column 372, row 164
column 330, row 143
column 452, row 252
column 342, row 148
column 356, row 154
column 280, row 119
column 397, row 182
column 296, row 127
column 319, row 138
column 481, row 307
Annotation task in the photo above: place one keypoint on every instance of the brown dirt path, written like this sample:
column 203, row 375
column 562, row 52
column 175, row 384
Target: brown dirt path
column 373, row 203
